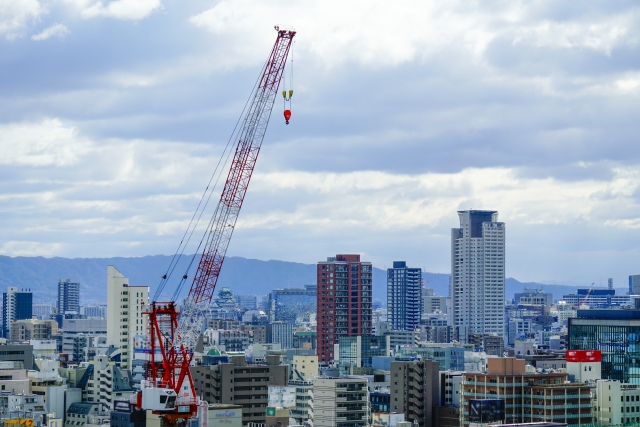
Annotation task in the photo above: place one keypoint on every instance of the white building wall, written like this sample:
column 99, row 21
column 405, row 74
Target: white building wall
column 125, row 305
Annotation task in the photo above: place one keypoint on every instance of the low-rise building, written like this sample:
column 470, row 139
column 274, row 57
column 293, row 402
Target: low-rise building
column 33, row 329
column 528, row 396
column 241, row 383
column 79, row 414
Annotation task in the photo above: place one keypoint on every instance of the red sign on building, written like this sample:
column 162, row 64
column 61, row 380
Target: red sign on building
column 584, row 356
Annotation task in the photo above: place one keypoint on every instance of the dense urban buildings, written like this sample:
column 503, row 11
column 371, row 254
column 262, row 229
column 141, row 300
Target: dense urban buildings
column 477, row 275
column 343, row 301
column 404, row 297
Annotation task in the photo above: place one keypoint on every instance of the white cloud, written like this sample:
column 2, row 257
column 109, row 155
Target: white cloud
column 380, row 33
column 44, row 143
column 26, row 248
column 16, row 14
column 56, row 30
column 119, row 9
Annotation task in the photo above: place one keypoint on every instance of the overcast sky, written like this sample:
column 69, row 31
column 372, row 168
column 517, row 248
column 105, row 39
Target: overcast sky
column 113, row 115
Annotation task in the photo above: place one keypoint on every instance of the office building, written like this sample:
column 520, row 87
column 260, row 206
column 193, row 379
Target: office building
column 42, row 310
column 68, row 297
column 356, row 353
column 414, row 389
column 239, row 383
column 248, row 302
column 281, row 333
column 98, row 311
column 82, row 339
column 228, row 340
column 404, row 297
column 432, row 303
column 125, row 305
column 533, row 297
column 343, row 301
column 293, row 305
column 477, row 274
column 339, row 402
column 16, row 305
column 634, row 284
column 596, row 298
column 616, row 333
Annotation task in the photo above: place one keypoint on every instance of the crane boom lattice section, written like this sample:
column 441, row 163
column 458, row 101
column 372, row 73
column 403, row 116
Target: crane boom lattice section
column 173, row 337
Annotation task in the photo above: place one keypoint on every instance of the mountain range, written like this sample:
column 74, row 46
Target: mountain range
column 243, row 276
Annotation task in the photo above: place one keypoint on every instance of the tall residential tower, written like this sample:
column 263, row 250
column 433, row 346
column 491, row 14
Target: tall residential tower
column 343, row 302
column 404, row 297
column 68, row 297
column 477, row 275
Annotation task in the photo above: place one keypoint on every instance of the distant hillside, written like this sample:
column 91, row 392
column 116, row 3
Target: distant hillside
column 241, row 275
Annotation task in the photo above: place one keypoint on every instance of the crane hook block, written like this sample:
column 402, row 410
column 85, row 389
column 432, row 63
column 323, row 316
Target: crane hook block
column 164, row 276
column 184, row 277
column 290, row 93
column 287, row 115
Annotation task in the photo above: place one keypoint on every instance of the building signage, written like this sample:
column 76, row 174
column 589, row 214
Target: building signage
column 227, row 414
column 120, row 405
column 584, row 356
column 26, row 422
column 486, row 410
column 184, row 408
column 271, row 411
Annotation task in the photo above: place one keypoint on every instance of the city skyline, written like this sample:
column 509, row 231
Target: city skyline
column 525, row 109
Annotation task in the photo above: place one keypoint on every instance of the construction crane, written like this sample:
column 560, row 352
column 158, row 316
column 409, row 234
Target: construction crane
column 584, row 301
column 168, row 387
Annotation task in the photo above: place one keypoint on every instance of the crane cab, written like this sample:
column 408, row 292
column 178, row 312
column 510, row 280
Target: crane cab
column 159, row 399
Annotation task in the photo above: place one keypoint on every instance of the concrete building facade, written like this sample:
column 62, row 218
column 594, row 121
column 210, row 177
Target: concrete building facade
column 477, row 274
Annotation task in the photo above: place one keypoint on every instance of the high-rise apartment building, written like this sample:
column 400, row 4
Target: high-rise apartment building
column 477, row 275
column 125, row 305
column 404, row 297
column 343, row 301
column 68, row 297
column 16, row 305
